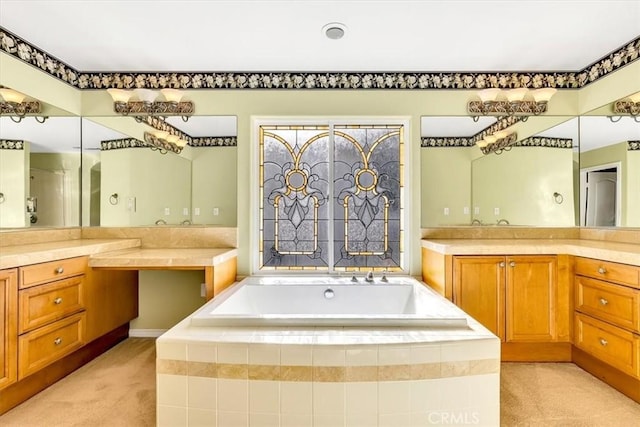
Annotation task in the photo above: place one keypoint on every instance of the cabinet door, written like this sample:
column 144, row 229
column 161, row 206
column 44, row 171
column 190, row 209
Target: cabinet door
column 8, row 327
column 531, row 298
column 478, row 289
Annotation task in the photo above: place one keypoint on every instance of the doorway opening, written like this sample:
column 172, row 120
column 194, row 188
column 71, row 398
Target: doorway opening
column 600, row 190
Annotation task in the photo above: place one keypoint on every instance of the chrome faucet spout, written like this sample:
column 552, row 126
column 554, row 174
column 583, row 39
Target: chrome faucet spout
column 161, row 222
column 369, row 277
column 476, row 222
column 503, row 221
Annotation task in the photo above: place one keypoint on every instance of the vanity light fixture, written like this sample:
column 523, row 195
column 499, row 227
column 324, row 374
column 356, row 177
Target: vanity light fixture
column 164, row 141
column 141, row 103
column 14, row 105
column 521, row 101
column 629, row 106
column 497, row 142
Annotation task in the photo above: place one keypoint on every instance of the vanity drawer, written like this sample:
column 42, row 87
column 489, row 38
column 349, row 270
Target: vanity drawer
column 55, row 270
column 612, row 345
column 611, row 271
column 45, row 345
column 44, row 304
column 614, row 303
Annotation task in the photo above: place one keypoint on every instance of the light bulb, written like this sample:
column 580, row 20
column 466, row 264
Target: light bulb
column 490, row 139
column 181, row 143
column 172, row 139
column 145, row 95
column 482, row 143
column 635, row 98
column 160, row 134
column 501, row 134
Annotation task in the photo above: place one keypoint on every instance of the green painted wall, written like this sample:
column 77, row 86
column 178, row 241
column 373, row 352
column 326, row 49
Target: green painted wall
column 214, row 185
column 14, row 185
column 530, row 199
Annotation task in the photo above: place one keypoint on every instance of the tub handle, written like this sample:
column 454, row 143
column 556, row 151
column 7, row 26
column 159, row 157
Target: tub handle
column 328, row 293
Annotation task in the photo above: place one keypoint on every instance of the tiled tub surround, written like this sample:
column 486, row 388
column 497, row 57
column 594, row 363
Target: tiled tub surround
column 328, row 376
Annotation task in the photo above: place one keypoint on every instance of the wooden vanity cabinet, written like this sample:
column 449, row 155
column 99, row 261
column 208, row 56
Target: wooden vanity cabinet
column 607, row 322
column 515, row 297
column 9, row 327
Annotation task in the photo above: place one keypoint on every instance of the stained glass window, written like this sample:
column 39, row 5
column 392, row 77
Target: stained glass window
column 330, row 197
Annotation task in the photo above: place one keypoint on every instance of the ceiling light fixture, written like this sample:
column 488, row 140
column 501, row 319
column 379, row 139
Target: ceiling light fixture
column 334, row 30
column 521, row 101
column 141, row 103
column 14, row 105
column 629, row 106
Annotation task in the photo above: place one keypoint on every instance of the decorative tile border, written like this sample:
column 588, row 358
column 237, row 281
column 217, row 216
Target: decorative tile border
column 240, row 371
column 633, row 146
column 27, row 52
column 11, row 144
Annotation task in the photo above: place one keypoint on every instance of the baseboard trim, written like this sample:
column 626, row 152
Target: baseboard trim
column 146, row 333
column 624, row 383
column 536, row 352
column 27, row 387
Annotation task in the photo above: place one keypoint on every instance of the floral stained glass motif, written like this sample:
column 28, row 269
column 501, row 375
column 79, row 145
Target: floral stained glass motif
column 338, row 182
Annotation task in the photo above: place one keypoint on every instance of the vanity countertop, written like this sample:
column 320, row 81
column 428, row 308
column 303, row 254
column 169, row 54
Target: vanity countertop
column 626, row 253
column 138, row 258
column 18, row 255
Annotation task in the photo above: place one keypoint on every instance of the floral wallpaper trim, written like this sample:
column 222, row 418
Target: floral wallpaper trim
column 11, row 144
column 633, row 146
column 214, row 141
column 538, row 141
column 469, row 141
column 161, row 124
column 27, row 52
column 115, row 144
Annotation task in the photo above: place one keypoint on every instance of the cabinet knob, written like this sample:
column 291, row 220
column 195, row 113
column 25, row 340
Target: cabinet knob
column 603, row 301
column 512, row 264
column 602, row 270
column 59, row 270
column 57, row 301
column 57, row 341
column 501, row 264
column 603, row 342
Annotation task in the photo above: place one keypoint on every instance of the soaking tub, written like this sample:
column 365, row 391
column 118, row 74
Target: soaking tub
column 328, row 301
column 322, row 351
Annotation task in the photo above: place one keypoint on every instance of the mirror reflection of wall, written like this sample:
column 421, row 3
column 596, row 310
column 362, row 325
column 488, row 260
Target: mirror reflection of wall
column 531, row 184
column 40, row 176
column 139, row 186
column 609, row 171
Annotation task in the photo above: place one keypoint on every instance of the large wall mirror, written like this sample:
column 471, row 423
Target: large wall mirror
column 127, row 182
column 609, row 171
column 532, row 183
column 40, row 172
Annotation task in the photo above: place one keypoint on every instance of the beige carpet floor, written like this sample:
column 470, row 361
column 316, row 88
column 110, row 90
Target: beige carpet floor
column 118, row 389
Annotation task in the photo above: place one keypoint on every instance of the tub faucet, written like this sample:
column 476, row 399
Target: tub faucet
column 503, row 221
column 369, row 277
column 476, row 222
column 161, row 222
column 186, row 222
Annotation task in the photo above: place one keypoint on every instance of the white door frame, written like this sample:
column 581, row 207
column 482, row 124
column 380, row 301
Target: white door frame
column 583, row 187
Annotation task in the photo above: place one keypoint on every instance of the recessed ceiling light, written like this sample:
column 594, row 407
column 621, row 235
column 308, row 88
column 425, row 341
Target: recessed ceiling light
column 334, row 30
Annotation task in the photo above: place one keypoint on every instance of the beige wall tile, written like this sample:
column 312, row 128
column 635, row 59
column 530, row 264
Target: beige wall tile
column 264, row 354
column 171, row 350
column 361, row 373
column 328, row 398
column 296, row 398
column 201, row 352
column 171, row 416
column 296, row 373
column 171, row 367
column 233, row 353
column 233, row 396
column 201, row 418
column 202, row 369
column 264, row 372
column 202, row 393
column 233, row 419
column 296, row 355
column 264, row 420
column 172, row 390
column 361, row 397
column 329, row 420
column 394, row 397
column 233, row 371
column 366, row 355
column 296, row 420
column 264, row 397
column 333, row 355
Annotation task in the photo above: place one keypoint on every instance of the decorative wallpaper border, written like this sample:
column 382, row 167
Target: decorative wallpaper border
column 214, row 141
column 468, row 141
column 633, row 146
column 538, row 141
column 116, row 144
column 11, row 144
column 29, row 53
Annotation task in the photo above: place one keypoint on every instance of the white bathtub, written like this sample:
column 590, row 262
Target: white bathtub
column 328, row 301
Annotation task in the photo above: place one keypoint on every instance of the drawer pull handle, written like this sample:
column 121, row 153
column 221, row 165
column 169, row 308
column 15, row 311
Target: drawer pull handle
column 602, row 270
column 603, row 342
column 57, row 301
column 512, row 264
column 603, row 301
column 59, row 270
column 501, row 264
column 57, row 341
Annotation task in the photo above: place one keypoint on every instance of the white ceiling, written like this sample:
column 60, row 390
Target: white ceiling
column 286, row 35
